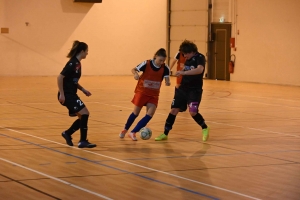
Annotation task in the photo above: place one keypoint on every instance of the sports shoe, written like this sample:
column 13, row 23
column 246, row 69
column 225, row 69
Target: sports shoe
column 161, row 137
column 205, row 134
column 132, row 136
column 86, row 144
column 68, row 138
column 123, row 133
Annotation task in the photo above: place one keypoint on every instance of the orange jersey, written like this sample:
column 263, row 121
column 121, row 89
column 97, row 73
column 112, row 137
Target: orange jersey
column 150, row 81
column 181, row 60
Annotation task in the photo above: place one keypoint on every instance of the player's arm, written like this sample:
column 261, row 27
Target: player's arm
column 134, row 71
column 140, row 68
column 167, row 81
column 60, row 84
column 195, row 71
column 167, row 75
column 86, row 92
column 176, row 58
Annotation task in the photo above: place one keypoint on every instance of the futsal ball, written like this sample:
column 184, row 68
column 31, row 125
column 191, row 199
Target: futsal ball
column 145, row 133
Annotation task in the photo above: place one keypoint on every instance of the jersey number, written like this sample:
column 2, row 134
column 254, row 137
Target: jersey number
column 79, row 102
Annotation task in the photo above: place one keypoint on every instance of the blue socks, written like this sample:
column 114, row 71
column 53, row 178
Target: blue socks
column 130, row 120
column 142, row 123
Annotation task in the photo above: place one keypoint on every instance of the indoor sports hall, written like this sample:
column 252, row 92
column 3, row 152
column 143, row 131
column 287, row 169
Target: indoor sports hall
column 250, row 100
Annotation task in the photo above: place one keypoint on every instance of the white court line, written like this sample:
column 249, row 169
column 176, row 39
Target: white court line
column 141, row 166
column 57, row 179
column 256, row 129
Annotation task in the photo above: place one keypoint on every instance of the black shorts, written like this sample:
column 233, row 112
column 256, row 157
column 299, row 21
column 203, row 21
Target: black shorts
column 73, row 103
column 182, row 98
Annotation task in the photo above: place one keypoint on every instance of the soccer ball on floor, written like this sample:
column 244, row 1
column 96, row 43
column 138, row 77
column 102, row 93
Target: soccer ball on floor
column 145, row 133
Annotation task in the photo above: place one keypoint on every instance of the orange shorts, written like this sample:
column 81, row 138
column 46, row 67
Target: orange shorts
column 141, row 100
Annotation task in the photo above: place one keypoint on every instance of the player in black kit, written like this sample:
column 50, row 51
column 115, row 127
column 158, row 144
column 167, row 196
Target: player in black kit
column 189, row 92
column 68, row 84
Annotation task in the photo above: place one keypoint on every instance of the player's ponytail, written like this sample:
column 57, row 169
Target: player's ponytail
column 161, row 52
column 77, row 48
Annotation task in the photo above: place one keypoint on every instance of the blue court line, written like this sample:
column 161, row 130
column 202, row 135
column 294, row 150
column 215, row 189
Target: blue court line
column 115, row 168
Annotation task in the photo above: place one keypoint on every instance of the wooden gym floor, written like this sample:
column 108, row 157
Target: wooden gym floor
column 253, row 151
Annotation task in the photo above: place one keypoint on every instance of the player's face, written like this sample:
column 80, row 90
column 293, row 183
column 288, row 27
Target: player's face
column 188, row 55
column 159, row 60
column 84, row 53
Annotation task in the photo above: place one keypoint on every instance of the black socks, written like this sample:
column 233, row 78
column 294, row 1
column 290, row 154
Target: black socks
column 75, row 126
column 169, row 123
column 199, row 119
column 83, row 127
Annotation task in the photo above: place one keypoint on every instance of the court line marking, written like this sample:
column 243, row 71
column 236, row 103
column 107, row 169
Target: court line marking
column 114, row 168
column 137, row 165
column 57, row 179
column 256, row 129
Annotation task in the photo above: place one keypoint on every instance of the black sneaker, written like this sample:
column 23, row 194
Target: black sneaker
column 86, row 144
column 68, row 138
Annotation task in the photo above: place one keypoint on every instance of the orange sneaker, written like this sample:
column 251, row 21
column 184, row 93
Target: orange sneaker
column 132, row 136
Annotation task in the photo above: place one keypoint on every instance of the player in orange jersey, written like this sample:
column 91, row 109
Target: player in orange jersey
column 180, row 59
column 147, row 90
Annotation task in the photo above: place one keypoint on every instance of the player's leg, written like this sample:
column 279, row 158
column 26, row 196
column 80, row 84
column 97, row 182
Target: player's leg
column 178, row 104
column 70, row 100
column 151, row 108
column 138, row 102
column 67, row 134
column 151, row 104
column 84, row 114
column 130, row 120
column 193, row 103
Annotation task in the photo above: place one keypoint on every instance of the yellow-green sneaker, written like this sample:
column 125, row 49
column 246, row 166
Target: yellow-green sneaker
column 205, row 134
column 161, row 137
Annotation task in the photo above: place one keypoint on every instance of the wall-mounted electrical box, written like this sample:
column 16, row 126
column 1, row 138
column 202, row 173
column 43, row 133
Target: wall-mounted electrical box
column 4, row 30
column 232, row 42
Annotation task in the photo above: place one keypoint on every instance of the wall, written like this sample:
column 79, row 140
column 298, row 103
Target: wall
column 2, row 13
column 120, row 35
column 221, row 8
column 268, row 45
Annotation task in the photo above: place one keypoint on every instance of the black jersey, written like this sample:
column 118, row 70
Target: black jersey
column 72, row 73
column 141, row 68
column 193, row 81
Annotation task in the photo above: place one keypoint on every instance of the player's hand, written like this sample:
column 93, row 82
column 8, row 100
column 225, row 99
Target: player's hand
column 168, row 83
column 86, row 92
column 136, row 76
column 179, row 73
column 61, row 98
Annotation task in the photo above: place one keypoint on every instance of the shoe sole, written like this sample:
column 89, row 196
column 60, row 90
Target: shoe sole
column 160, row 139
column 91, row 146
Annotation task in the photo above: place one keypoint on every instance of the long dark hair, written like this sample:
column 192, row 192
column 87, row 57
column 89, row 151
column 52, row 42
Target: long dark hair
column 188, row 47
column 161, row 52
column 77, row 48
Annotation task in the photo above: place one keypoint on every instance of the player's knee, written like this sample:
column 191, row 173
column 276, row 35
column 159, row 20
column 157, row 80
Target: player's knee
column 193, row 108
column 174, row 111
column 193, row 113
column 84, row 111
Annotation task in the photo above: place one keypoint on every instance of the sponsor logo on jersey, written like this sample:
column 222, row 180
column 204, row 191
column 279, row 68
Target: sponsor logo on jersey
column 75, row 80
column 151, row 84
